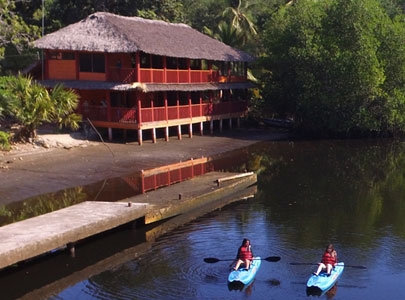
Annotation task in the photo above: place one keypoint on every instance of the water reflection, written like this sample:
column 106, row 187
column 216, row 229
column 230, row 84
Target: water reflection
column 309, row 194
column 114, row 189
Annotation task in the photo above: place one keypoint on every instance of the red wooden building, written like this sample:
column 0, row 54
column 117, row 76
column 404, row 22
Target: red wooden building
column 134, row 74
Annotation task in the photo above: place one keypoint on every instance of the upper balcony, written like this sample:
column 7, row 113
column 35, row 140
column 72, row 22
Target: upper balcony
column 139, row 67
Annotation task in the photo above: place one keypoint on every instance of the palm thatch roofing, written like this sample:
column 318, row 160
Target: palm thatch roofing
column 146, row 87
column 106, row 32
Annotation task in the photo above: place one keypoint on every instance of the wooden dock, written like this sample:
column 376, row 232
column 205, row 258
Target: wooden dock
column 36, row 236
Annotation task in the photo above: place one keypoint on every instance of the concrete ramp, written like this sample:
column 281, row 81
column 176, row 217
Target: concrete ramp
column 32, row 237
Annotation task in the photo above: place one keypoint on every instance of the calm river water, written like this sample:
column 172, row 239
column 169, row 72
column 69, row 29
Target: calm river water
column 349, row 193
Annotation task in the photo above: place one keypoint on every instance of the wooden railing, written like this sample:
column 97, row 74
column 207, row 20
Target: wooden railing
column 149, row 114
column 153, row 179
column 129, row 75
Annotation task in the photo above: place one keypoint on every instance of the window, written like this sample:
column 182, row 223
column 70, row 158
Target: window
column 159, row 99
column 62, row 55
column 204, row 65
column 220, row 66
column 183, row 98
column 195, row 64
column 171, row 98
column 157, row 62
column 195, row 97
column 176, row 63
column 91, row 62
column 145, row 60
column 182, row 63
column 238, row 68
column 171, row 63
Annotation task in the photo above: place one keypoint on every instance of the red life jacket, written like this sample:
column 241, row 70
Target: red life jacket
column 327, row 258
column 245, row 253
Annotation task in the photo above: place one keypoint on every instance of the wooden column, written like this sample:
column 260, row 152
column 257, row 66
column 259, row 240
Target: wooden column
column 188, row 71
column 166, row 115
column 190, row 130
column 108, row 102
column 154, row 135
column 190, row 112
column 140, row 137
column 202, row 128
column 110, row 135
column 138, row 67
column 179, row 132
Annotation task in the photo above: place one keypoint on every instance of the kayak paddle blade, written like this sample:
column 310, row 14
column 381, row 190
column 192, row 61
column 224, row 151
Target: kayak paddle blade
column 273, row 258
column 211, row 260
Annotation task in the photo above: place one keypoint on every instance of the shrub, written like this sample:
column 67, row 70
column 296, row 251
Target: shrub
column 4, row 141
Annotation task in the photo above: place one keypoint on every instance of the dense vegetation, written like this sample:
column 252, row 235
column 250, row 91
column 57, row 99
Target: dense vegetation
column 337, row 67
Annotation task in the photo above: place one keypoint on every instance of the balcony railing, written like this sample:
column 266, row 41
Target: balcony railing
column 154, row 114
column 129, row 75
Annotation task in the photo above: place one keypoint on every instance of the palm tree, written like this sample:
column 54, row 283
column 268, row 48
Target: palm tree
column 31, row 105
column 227, row 34
column 65, row 101
column 241, row 19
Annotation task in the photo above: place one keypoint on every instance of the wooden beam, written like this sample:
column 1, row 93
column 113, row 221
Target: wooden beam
column 223, row 179
column 176, row 166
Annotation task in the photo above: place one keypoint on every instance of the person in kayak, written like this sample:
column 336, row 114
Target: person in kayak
column 328, row 262
column 244, row 255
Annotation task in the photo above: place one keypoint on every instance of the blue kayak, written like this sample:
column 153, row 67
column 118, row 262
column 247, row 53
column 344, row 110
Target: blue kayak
column 245, row 276
column 325, row 282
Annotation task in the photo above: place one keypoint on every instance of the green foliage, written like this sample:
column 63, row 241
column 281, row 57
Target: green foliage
column 3, row 102
column 227, row 34
column 64, row 103
column 4, row 141
column 331, row 67
column 15, row 36
column 31, row 105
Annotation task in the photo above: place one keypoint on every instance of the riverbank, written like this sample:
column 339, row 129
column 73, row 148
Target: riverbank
column 72, row 161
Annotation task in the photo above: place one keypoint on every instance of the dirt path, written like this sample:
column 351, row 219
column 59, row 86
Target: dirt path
column 70, row 162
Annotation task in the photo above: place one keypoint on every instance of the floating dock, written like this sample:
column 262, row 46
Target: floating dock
column 36, row 236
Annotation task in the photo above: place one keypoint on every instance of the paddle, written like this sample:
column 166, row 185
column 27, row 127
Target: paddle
column 212, row 260
column 313, row 264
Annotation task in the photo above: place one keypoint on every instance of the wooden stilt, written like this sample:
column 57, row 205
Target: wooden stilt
column 179, row 132
column 220, row 125
column 201, row 128
column 154, row 135
column 212, row 127
column 140, row 137
column 230, row 123
column 110, row 135
column 190, row 130
column 167, row 134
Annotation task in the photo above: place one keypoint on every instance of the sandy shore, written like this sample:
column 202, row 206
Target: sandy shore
column 68, row 160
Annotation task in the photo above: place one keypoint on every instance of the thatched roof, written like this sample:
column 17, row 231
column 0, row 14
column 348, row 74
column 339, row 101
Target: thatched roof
column 145, row 87
column 106, row 32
